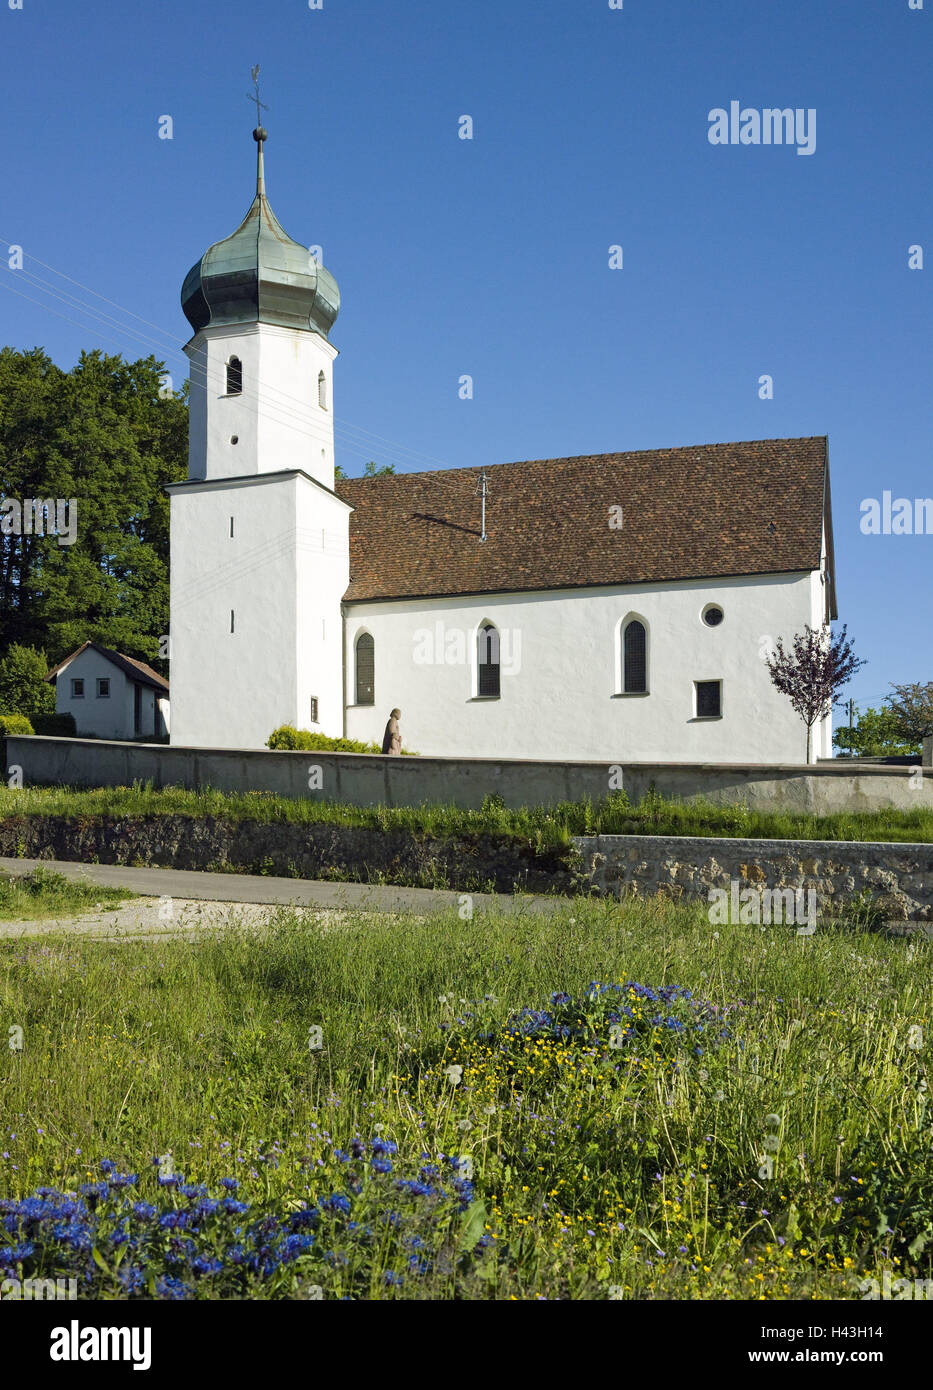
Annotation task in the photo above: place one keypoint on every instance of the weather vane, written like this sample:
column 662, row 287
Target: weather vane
column 254, row 96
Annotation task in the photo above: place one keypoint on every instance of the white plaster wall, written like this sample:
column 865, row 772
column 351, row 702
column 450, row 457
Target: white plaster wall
column 105, row 718
column 282, row 573
column 822, row 738
column 323, row 547
column 561, row 673
column 276, row 418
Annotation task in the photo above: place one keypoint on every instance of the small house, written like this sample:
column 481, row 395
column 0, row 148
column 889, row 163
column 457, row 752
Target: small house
column 111, row 695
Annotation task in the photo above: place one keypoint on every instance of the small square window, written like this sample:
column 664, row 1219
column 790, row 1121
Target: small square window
column 77, row 689
column 103, row 688
column 314, row 718
column 709, row 699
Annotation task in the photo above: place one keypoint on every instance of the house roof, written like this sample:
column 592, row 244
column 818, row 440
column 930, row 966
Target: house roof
column 136, row 670
column 712, row 511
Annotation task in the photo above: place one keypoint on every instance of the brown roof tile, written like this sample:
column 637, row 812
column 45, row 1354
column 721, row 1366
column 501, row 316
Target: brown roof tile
column 687, row 513
column 136, row 670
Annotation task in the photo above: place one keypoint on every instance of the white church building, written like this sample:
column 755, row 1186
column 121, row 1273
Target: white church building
column 616, row 607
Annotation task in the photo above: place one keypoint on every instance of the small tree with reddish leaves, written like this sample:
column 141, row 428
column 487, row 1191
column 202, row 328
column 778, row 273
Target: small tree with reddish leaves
column 812, row 672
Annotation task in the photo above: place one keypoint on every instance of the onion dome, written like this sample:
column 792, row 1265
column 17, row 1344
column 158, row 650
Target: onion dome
column 260, row 275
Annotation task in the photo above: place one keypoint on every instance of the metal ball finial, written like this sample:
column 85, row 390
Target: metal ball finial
column 260, row 134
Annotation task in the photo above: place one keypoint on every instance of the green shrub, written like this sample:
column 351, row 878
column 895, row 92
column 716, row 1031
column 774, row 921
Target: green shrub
column 23, row 686
column 14, row 724
column 55, row 725
column 290, row 738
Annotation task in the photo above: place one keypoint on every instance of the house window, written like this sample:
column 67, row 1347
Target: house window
column 488, row 660
column 234, row 377
column 231, row 528
column 231, row 619
column 709, row 699
column 635, row 659
column 712, row 615
column 365, row 670
column 103, row 688
column 322, row 390
column 314, row 718
column 77, row 689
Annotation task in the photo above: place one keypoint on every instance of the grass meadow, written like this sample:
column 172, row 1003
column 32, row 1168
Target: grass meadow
column 545, row 827
column 41, row 894
column 615, row 1101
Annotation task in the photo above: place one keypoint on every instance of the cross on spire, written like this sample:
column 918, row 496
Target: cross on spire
column 254, row 96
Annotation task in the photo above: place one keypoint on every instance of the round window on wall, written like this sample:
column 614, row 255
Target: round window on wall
column 712, row 615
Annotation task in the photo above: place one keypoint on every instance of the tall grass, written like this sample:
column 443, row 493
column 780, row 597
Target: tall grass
column 543, row 826
column 42, row 893
column 593, row 1171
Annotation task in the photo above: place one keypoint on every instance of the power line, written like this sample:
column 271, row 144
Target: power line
column 171, row 346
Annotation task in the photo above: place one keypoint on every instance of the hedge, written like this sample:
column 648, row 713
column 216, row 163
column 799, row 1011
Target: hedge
column 14, row 724
column 303, row 739
column 55, row 725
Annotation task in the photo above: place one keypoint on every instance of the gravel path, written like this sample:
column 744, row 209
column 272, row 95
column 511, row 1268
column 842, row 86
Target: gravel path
column 182, row 902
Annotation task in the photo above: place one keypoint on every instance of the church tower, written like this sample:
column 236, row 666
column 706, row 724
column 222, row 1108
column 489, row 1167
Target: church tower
column 259, row 539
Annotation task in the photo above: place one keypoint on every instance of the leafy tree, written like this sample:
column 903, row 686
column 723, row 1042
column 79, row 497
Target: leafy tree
column 23, row 687
column 812, row 672
column 876, row 734
column 370, row 471
column 104, row 434
column 912, row 709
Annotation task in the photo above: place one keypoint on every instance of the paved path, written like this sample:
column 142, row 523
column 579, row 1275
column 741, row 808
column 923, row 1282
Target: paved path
column 249, row 898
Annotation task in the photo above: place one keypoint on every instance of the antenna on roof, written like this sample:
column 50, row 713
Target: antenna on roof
column 481, row 490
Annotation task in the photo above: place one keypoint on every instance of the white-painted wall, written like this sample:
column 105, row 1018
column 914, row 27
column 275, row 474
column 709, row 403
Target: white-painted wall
column 110, row 716
column 276, row 419
column 282, row 574
column 561, row 673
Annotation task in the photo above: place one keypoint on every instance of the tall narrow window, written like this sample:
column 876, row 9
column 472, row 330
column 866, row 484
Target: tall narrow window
column 488, row 654
column 635, row 659
column 234, row 376
column 365, row 670
column 231, row 619
column 322, row 390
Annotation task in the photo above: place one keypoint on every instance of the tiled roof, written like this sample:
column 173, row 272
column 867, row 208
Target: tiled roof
column 136, row 670
column 704, row 512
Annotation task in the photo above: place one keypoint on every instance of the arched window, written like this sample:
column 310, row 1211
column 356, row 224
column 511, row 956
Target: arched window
column 635, row 659
column 488, row 660
column 322, row 390
column 234, row 376
column 365, row 669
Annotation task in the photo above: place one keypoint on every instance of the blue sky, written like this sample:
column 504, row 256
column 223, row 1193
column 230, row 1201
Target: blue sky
column 490, row 257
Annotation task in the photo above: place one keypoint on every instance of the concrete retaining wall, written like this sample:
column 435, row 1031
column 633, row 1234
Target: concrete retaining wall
column 898, row 876
column 369, row 780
